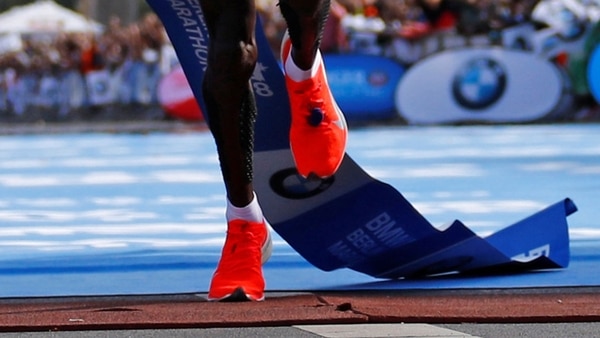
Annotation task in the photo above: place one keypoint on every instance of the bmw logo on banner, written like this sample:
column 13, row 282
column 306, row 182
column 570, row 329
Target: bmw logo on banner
column 485, row 84
column 479, row 83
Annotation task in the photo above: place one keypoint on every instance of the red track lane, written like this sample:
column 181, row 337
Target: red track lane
column 192, row 311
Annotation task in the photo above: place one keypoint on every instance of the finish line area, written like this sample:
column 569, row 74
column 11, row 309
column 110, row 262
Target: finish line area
column 87, row 214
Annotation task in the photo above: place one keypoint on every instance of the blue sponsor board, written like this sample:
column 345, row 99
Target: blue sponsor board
column 593, row 73
column 364, row 85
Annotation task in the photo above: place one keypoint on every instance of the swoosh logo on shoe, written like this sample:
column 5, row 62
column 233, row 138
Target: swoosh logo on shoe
column 339, row 123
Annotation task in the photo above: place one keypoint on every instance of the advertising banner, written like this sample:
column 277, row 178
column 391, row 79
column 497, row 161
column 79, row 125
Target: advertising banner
column 481, row 85
column 364, row 85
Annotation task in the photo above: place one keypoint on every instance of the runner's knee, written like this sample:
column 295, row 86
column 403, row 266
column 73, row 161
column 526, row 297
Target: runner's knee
column 232, row 65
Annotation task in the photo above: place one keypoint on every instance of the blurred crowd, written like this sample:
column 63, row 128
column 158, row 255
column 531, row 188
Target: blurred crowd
column 408, row 30
column 69, row 71
column 409, row 19
column 123, row 65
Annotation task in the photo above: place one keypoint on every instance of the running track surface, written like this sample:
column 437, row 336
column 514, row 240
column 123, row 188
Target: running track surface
column 126, row 214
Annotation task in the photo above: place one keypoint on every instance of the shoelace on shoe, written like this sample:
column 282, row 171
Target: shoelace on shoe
column 315, row 114
column 241, row 251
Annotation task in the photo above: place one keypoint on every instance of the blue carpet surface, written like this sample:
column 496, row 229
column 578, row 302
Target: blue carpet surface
column 101, row 214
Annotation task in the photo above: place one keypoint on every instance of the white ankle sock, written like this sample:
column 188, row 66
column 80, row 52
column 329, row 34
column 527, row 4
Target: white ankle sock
column 297, row 74
column 252, row 212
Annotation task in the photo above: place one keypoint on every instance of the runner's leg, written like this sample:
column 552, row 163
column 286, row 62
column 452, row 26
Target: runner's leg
column 230, row 103
column 231, row 114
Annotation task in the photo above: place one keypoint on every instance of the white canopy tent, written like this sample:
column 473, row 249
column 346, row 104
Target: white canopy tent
column 45, row 17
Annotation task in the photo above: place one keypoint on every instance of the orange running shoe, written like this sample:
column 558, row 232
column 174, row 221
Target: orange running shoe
column 318, row 132
column 239, row 274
